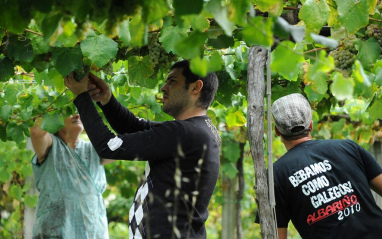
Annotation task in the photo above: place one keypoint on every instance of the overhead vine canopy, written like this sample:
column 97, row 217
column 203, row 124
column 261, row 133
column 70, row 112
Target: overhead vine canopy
column 327, row 49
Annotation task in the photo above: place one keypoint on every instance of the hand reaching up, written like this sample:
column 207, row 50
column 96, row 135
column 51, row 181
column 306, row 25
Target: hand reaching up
column 77, row 87
column 98, row 89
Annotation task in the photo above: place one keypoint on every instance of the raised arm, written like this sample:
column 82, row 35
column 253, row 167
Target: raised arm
column 106, row 161
column 376, row 184
column 41, row 140
column 283, row 232
column 118, row 116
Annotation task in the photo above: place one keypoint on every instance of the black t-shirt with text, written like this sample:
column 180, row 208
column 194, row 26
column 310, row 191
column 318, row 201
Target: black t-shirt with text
column 322, row 186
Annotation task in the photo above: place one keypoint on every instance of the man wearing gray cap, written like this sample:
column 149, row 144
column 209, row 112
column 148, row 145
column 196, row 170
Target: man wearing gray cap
column 323, row 186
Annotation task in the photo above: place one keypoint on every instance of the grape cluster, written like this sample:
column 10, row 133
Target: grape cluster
column 158, row 55
column 80, row 73
column 83, row 29
column 344, row 56
column 373, row 30
column 108, row 68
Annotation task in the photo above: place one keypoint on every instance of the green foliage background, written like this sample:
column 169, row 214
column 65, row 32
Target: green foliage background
column 43, row 41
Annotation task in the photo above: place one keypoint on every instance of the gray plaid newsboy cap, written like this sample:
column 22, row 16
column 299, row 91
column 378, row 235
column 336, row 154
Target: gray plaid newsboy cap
column 292, row 114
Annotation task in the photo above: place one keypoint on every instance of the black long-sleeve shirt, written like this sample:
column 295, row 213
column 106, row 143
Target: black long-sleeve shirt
column 181, row 170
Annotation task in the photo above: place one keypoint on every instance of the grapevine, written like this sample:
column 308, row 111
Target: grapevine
column 344, row 56
column 108, row 68
column 158, row 55
column 373, row 30
column 78, row 74
column 83, row 29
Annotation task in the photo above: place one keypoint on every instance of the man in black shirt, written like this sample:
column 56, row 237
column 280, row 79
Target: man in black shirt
column 182, row 155
column 323, row 186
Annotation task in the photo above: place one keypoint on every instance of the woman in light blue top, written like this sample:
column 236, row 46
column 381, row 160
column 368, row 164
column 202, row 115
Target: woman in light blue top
column 71, row 179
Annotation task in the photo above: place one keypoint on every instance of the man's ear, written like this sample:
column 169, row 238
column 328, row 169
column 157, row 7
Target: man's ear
column 197, row 87
column 311, row 126
column 277, row 131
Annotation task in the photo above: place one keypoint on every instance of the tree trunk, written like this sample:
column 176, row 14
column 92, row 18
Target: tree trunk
column 29, row 213
column 229, row 208
column 255, row 120
column 240, row 192
column 233, row 192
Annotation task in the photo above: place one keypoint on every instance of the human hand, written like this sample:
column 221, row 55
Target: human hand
column 76, row 87
column 98, row 89
column 36, row 130
column 38, row 121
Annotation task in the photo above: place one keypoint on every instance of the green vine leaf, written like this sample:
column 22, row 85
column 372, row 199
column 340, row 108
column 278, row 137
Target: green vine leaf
column 99, row 49
column 353, row 14
column 221, row 42
column 6, row 69
column 10, row 9
column 52, row 123
column 313, row 94
column 119, row 80
column 317, row 77
column 20, row 49
column 290, row 68
column 124, row 32
column 275, row 7
column 368, row 52
column 315, row 14
column 229, row 63
column 238, row 11
column 51, row 26
column 199, row 66
column 342, row 88
column 40, row 46
column 171, row 35
column 235, row 119
column 221, row 16
column 279, row 91
column 360, row 75
column 5, row 175
column 31, row 201
column 230, row 170
column 25, row 115
column 215, row 62
column 259, row 32
column 198, row 22
column 231, row 151
column 11, row 93
column 375, row 107
column 153, row 10
column 15, row 132
column 192, row 46
column 139, row 69
column 40, row 92
column 139, row 28
column 5, row 112
column 15, row 191
column 67, row 60
column 187, row 7
column 56, row 79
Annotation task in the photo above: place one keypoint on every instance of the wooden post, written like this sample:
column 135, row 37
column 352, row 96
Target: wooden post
column 255, row 120
column 29, row 213
column 229, row 213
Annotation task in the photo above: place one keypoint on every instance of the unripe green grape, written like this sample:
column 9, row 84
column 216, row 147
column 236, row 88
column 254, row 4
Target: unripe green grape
column 108, row 68
column 373, row 30
column 344, row 56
